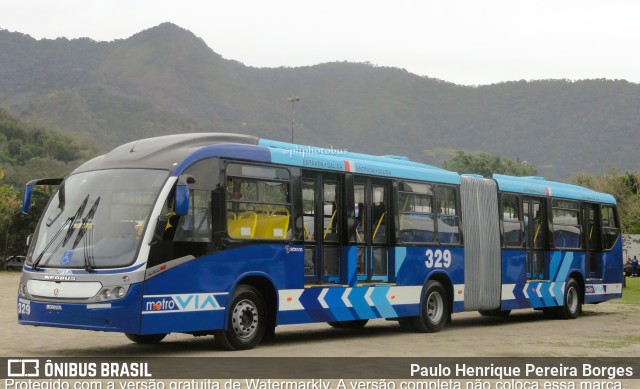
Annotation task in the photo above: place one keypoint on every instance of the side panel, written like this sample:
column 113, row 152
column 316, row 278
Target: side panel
column 193, row 296
column 517, row 292
column 371, row 301
column 611, row 284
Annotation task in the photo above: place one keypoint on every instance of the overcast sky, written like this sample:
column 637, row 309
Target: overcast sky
column 465, row 42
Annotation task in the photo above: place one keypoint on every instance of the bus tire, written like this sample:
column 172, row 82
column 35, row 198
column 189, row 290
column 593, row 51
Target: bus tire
column 146, row 339
column 434, row 311
column 246, row 321
column 572, row 307
column 349, row 324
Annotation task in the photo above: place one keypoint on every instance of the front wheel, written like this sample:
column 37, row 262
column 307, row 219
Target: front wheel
column 146, row 339
column 434, row 312
column 247, row 320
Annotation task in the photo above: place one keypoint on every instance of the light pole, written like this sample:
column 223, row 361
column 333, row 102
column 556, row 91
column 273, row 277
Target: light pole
column 293, row 101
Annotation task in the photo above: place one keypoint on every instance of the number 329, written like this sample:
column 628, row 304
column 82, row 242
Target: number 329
column 438, row 259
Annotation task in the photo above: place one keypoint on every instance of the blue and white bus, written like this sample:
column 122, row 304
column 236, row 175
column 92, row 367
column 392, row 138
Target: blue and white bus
column 233, row 235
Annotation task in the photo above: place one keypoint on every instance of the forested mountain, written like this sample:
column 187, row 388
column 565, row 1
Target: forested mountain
column 28, row 152
column 166, row 80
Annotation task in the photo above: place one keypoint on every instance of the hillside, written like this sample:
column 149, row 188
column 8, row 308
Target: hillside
column 28, row 152
column 166, row 80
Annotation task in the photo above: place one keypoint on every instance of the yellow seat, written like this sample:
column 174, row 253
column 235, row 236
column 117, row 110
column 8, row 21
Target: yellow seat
column 274, row 226
column 261, row 222
column 244, row 226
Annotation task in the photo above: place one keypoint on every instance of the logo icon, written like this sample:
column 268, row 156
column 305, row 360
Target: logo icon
column 23, row 368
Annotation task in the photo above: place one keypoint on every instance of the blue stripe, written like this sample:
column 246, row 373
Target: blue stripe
column 379, row 298
column 228, row 150
column 338, row 309
column 360, row 305
column 401, row 255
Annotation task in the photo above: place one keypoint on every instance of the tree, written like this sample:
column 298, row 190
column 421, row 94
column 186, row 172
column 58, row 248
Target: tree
column 486, row 164
column 625, row 189
column 9, row 208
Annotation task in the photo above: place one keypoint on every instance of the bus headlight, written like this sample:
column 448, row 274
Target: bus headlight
column 23, row 291
column 112, row 293
column 119, row 292
column 106, row 294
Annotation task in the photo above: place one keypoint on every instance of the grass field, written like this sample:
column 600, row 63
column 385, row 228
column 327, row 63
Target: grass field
column 631, row 293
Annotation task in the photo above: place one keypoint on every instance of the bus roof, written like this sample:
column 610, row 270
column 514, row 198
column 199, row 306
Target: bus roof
column 176, row 152
column 162, row 152
column 541, row 187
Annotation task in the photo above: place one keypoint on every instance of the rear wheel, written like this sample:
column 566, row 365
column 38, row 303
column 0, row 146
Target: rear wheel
column 572, row 307
column 247, row 320
column 146, row 339
column 434, row 312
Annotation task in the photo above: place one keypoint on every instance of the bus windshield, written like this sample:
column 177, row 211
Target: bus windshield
column 96, row 219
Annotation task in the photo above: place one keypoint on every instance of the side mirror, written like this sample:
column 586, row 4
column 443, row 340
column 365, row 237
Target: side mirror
column 28, row 190
column 181, row 198
column 26, row 198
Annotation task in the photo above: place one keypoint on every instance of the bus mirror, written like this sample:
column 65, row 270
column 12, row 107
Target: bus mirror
column 29, row 239
column 28, row 190
column 181, row 199
column 26, row 199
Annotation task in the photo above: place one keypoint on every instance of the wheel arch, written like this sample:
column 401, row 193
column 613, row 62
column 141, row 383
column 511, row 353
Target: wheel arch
column 576, row 275
column 264, row 285
column 444, row 279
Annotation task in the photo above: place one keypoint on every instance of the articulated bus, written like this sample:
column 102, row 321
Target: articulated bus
column 233, row 235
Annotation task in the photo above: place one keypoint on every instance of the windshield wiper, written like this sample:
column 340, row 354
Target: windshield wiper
column 88, row 257
column 75, row 217
column 69, row 222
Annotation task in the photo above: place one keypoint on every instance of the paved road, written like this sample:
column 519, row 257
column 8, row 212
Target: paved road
column 608, row 329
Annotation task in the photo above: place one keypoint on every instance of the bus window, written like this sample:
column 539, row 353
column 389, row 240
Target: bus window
column 448, row 219
column 258, row 202
column 567, row 228
column 330, row 228
column 512, row 221
column 415, row 211
column 308, row 217
column 610, row 229
column 361, row 225
column 379, row 230
column 196, row 226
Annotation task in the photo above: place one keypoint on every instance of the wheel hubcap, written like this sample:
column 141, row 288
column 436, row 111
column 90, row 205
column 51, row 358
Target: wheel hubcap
column 244, row 319
column 435, row 307
column 572, row 299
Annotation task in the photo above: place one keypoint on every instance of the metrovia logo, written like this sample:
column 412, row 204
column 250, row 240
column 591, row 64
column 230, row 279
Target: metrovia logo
column 182, row 302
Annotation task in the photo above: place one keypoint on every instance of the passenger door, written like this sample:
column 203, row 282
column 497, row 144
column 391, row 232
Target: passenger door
column 322, row 215
column 535, row 227
column 591, row 216
column 371, row 202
